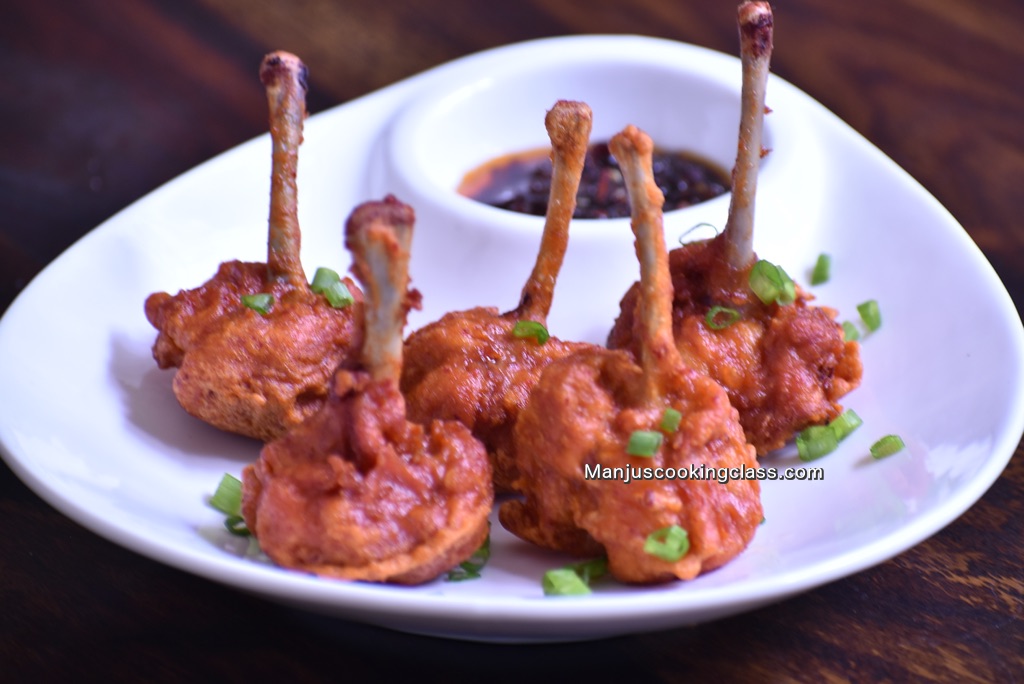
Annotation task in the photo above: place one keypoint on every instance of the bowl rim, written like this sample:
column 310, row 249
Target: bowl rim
column 713, row 69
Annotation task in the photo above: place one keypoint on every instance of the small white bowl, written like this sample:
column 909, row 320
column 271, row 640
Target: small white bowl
column 493, row 104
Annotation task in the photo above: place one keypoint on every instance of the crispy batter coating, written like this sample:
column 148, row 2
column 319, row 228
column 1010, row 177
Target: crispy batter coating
column 785, row 367
column 581, row 415
column 239, row 370
column 244, row 372
column 357, row 491
column 572, row 437
column 468, row 365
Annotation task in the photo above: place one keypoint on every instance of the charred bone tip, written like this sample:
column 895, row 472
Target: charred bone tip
column 280, row 64
column 756, row 27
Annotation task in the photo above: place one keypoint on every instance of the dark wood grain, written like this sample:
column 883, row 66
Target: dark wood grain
column 101, row 103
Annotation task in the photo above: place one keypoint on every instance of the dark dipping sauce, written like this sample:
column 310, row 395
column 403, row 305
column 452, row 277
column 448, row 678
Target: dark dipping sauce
column 522, row 182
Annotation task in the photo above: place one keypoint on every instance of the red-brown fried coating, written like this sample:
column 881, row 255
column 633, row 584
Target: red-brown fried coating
column 584, row 409
column 244, row 372
column 357, row 491
column 468, row 365
column 785, row 367
column 239, row 370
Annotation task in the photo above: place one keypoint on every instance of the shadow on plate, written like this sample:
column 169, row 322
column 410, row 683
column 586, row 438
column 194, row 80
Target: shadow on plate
column 151, row 408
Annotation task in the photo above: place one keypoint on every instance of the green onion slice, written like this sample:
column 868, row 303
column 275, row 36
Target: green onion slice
column 887, row 446
column 847, row 422
column 820, row 440
column 323, row 279
column 870, row 314
column 670, row 420
column 532, row 329
column 228, row 497
column 850, row 332
column 563, row 582
column 471, row 567
column 720, row 317
column 574, row 579
column 328, row 283
column 338, row 295
column 668, row 543
column 236, row 526
column 772, row 284
column 260, row 303
column 816, row 441
column 591, row 570
column 644, row 443
column 822, row 270
column 228, row 500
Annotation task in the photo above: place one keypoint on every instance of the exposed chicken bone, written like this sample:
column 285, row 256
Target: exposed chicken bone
column 379, row 236
column 634, row 151
column 568, row 124
column 755, row 29
column 285, row 78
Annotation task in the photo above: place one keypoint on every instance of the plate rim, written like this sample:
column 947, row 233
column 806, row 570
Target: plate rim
column 754, row 590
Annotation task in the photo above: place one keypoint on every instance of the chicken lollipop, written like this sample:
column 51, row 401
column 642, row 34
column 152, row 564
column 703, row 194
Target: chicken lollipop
column 357, row 491
column 478, row 366
column 612, row 453
column 784, row 362
column 255, row 346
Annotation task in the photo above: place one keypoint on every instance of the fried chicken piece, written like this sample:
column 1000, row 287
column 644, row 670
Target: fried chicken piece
column 357, row 491
column 584, row 409
column 785, row 366
column 239, row 370
column 469, row 365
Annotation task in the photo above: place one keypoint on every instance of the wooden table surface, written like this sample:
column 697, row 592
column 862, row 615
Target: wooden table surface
column 102, row 102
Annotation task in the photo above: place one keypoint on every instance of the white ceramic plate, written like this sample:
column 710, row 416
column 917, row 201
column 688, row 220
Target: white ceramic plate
column 90, row 424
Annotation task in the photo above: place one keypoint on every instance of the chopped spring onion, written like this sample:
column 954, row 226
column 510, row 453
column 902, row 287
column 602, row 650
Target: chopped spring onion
column 228, row 497
column 670, row 420
column 644, row 443
column 574, row 579
column 228, row 500
column 847, row 422
column 328, row 283
column 850, row 332
column 816, row 441
column 260, row 303
column 590, row 570
column 720, row 317
column 668, row 543
column 532, row 329
column 822, row 269
column 338, row 295
column 887, row 446
column 563, row 582
column 772, row 284
column 471, row 567
column 323, row 278
column 236, row 526
column 871, row 315
column 819, row 440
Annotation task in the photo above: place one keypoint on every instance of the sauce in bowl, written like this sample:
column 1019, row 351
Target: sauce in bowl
column 521, row 182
